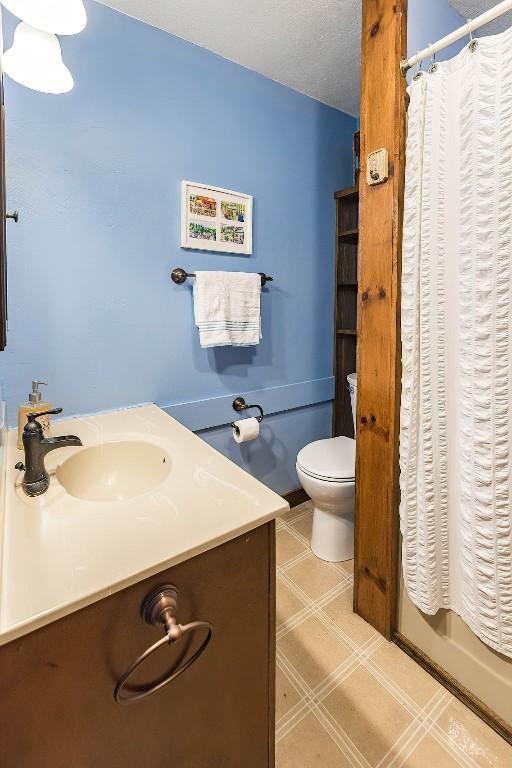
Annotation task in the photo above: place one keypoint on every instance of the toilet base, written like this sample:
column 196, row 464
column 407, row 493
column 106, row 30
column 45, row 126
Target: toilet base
column 333, row 534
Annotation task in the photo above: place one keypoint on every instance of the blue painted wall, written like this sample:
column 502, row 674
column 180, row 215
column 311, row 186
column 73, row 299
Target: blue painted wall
column 427, row 22
column 96, row 177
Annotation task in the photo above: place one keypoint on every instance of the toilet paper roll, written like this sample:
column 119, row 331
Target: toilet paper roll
column 246, row 429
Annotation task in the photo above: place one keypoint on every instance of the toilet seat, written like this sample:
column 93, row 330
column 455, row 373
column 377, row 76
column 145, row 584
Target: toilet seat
column 338, row 480
column 332, row 460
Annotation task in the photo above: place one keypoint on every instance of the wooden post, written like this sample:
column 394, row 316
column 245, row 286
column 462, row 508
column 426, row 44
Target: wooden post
column 383, row 109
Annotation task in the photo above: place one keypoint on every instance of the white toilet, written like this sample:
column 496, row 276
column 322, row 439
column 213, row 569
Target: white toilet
column 326, row 470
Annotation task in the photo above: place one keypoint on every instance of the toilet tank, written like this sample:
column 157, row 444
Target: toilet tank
column 352, row 388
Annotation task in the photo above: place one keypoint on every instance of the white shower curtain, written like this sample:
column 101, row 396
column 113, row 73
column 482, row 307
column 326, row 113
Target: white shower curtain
column 456, row 422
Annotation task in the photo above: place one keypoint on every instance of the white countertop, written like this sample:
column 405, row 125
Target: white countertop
column 61, row 553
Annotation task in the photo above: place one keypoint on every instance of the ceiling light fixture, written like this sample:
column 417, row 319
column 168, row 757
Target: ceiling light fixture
column 60, row 17
column 35, row 60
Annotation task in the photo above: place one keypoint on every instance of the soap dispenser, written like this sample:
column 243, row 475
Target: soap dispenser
column 34, row 404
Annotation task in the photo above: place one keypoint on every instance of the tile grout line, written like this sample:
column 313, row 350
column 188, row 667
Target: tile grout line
column 288, row 523
column 296, row 518
column 295, row 560
column 340, row 737
column 303, row 540
column 309, row 695
column 302, row 595
column 304, row 598
column 424, row 719
column 313, row 705
column 299, row 515
column 406, row 701
column 334, row 629
column 301, row 616
column 424, row 722
column 313, row 702
column 361, row 653
column 289, row 526
column 461, row 758
column 323, row 688
column 342, row 577
column 313, row 609
column 309, row 555
column 450, row 744
column 316, row 610
column 412, row 736
column 310, row 606
column 323, row 715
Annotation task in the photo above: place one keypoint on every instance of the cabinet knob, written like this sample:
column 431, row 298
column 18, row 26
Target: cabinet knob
column 158, row 609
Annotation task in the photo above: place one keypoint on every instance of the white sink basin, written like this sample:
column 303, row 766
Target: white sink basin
column 143, row 494
column 114, row 471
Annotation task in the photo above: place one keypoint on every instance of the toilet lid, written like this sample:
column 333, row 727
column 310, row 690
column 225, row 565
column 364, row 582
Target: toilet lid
column 332, row 459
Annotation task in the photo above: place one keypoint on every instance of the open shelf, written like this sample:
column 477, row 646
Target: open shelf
column 345, row 345
column 350, row 193
column 349, row 235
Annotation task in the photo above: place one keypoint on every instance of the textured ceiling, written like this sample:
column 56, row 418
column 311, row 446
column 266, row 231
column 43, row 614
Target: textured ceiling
column 309, row 45
column 470, row 9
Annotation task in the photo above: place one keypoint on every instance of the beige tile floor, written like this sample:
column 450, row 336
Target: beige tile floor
column 347, row 697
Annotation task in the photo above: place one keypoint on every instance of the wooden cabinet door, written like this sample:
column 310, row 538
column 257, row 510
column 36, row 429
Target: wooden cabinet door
column 57, row 708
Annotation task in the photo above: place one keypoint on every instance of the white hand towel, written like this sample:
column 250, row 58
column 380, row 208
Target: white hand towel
column 227, row 308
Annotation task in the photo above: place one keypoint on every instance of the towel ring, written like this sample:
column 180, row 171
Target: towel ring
column 158, row 609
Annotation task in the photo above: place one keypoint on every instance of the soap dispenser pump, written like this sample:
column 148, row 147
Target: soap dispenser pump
column 34, row 405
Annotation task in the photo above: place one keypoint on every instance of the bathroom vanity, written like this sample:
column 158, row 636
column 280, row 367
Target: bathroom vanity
column 76, row 575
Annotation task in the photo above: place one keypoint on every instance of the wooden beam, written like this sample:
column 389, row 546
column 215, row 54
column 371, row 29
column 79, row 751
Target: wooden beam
column 383, row 109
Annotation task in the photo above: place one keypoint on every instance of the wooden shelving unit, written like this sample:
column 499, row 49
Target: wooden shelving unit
column 345, row 322
column 349, row 235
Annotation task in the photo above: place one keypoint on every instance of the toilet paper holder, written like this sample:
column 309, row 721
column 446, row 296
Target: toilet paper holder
column 239, row 404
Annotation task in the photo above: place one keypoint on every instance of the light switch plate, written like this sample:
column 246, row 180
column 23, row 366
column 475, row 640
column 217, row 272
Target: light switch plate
column 377, row 167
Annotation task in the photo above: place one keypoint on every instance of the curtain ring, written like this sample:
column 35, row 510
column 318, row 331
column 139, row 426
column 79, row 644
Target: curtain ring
column 419, row 73
column 433, row 63
column 473, row 42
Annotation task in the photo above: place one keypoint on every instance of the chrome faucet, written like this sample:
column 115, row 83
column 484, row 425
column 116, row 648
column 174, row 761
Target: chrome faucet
column 36, row 479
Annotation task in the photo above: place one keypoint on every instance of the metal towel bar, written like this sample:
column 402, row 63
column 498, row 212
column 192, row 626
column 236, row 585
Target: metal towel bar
column 178, row 276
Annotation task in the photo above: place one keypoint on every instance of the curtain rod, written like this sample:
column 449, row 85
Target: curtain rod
column 470, row 26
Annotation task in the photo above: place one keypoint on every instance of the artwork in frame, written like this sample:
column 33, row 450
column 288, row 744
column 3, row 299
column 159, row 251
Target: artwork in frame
column 215, row 219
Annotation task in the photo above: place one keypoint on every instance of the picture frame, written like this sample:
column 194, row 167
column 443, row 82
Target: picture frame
column 215, row 219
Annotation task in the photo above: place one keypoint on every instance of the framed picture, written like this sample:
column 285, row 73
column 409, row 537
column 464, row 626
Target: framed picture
column 215, row 219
